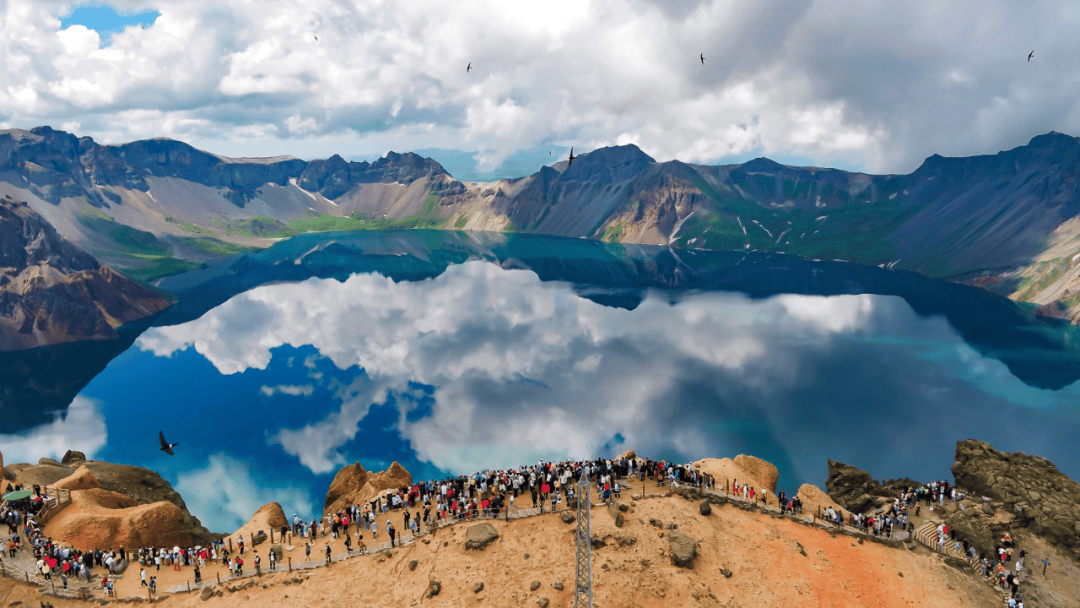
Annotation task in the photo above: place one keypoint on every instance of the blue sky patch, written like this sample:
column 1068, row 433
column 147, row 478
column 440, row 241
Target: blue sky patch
column 106, row 20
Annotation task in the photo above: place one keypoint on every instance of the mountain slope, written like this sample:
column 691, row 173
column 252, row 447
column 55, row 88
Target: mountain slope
column 53, row 292
column 1008, row 222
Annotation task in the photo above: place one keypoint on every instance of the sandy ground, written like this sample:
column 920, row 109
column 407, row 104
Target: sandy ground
column 762, row 553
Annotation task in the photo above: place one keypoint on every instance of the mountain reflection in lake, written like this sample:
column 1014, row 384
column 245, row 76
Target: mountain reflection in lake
column 451, row 353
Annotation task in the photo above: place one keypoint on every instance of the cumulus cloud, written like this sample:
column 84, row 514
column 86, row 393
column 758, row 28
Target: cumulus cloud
column 80, row 428
column 524, row 369
column 224, row 494
column 869, row 84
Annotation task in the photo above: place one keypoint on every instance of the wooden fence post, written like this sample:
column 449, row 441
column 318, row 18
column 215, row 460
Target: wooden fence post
column 271, row 535
column 290, row 564
column 218, row 578
column 189, row 586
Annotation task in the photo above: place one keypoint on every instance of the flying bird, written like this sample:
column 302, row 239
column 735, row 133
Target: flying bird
column 703, row 59
column 468, row 67
column 1030, row 55
column 316, row 38
column 166, row 446
column 572, row 157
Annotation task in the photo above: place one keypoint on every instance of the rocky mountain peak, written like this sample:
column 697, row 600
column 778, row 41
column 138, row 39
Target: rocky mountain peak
column 26, row 239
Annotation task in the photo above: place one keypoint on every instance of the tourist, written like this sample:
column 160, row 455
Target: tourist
column 327, row 554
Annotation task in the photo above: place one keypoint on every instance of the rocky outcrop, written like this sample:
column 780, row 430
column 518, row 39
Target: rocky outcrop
column 136, row 483
column 1030, row 486
column 100, row 518
column 627, row 455
column 354, row 485
column 269, row 517
column 854, row 489
column 814, row 500
column 765, row 473
column 758, row 473
column 81, row 479
column 480, row 535
column 683, row 549
column 52, row 292
column 73, row 457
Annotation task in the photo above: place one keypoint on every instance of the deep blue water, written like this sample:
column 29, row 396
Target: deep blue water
column 450, row 352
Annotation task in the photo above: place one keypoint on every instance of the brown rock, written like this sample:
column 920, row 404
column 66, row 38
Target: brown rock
column 567, row 517
column 354, row 485
column 100, row 518
column 534, row 585
column 616, row 515
column 760, row 471
column 478, row 587
column 207, row 593
column 73, row 457
column 480, row 535
column 269, row 517
column 543, row 602
column 628, row 454
column 413, row 564
column 705, row 508
column 814, row 498
column 81, row 479
column 683, row 550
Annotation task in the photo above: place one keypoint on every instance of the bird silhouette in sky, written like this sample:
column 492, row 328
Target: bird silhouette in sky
column 316, row 38
column 1030, row 55
column 572, row 157
column 703, row 59
column 468, row 68
column 166, row 446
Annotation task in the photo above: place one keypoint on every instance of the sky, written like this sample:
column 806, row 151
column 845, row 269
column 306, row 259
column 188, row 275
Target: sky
column 872, row 85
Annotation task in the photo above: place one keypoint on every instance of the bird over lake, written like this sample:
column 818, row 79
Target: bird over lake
column 166, row 446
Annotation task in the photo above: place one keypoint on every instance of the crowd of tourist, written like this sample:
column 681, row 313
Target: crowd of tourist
column 487, row 494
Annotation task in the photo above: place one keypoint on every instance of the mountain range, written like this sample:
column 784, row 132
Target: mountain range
column 1007, row 222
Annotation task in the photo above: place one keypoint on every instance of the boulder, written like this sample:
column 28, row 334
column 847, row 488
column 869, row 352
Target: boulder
column 683, row 549
column 258, row 538
column 1049, row 500
column 434, row 587
column 73, row 457
column 478, row 587
column 534, row 585
column 854, row 489
column 543, row 602
column 567, row 517
column 413, row 564
column 478, row 536
column 207, row 593
column 81, row 479
column 616, row 514
column 628, row 455
column 705, row 508
column 353, row 485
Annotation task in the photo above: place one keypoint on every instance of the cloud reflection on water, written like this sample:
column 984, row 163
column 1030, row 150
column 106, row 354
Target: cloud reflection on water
column 524, row 369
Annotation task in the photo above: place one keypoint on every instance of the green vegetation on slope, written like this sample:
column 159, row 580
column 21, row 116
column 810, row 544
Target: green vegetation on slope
column 160, row 267
column 133, row 240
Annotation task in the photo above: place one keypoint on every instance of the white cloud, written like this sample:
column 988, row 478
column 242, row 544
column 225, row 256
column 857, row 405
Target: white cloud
column 870, row 83
column 305, row 390
column 223, row 495
column 516, row 362
column 80, row 428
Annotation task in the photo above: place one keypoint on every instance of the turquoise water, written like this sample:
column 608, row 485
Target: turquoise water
column 451, row 352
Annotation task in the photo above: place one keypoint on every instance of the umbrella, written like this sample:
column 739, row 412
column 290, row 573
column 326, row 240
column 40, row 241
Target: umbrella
column 17, row 495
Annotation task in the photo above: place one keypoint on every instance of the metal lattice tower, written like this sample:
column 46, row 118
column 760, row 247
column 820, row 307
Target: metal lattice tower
column 583, row 589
